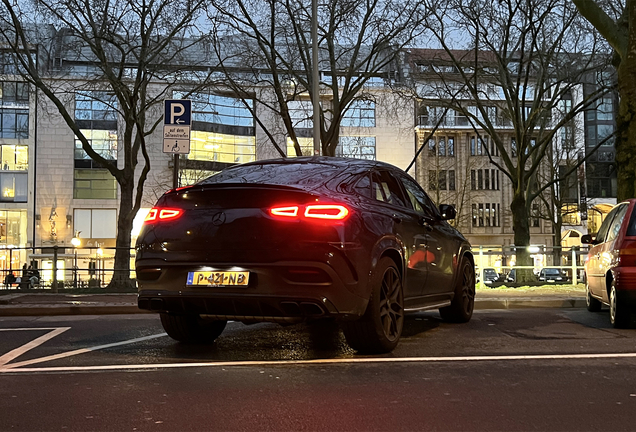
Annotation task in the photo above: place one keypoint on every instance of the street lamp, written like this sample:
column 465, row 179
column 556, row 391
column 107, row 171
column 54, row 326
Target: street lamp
column 100, row 253
column 75, row 241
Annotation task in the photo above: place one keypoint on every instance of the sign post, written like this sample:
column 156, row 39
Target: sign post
column 177, row 120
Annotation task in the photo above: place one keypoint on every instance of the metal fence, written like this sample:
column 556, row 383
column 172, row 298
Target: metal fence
column 502, row 259
column 59, row 267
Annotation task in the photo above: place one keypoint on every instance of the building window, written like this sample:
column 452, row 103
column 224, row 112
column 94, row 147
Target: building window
column 513, row 147
column 480, row 179
column 605, row 110
column 359, row 147
column 14, row 157
column 473, row 183
column 441, row 144
column 451, row 146
column 486, row 180
column 451, row 180
column 13, row 187
column 222, row 130
column 301, row 114
column 14, row 123
column 481, row 215
column 473, row 147
column 306, row 146
column 95, row 223
column 474, row 215
column 431, row 146
column 441, row 180
column 220, row 110
column 95, row 105
column 15, row 94
column 535, row 216
column 94, row 184
column 218, row 147
column 432, row 180
column 104, row 142
column 360, row 113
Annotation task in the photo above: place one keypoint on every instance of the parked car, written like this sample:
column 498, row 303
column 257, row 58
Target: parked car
column 552, row 275
column 611, row 265
column 490, row 275
column 289, row 240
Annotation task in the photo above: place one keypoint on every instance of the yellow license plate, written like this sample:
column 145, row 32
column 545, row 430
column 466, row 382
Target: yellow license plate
column 218, row 278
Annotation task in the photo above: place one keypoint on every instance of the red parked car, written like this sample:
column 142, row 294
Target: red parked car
column 611, row 265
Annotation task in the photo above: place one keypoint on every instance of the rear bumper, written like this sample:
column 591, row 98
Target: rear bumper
column 273, row 293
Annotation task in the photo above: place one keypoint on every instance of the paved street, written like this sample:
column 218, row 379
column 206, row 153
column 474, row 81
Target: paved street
column 546, row 369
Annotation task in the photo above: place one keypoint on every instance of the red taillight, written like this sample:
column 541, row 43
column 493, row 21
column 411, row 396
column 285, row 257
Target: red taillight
column 288, row 211
column 627, row 257
column 162, row 214
column 313, row 211
column 326, row 211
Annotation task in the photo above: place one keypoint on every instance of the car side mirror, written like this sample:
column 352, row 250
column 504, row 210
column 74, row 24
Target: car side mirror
column 447, row 211
column 587, row 239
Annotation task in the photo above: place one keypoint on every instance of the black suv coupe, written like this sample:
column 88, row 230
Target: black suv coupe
column 289, row 240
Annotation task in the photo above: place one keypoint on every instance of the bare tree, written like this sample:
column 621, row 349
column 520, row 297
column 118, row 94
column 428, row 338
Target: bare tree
column 360, row 43
column 519, row 60
column 615, row 21
column 128, row 45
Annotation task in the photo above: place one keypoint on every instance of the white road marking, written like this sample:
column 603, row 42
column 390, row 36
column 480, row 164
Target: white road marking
column 54, row 331
column 274, row 363
column 76, row 352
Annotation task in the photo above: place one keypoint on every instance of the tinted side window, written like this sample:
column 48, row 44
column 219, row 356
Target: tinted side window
column 420, row 201
column 616, row 223
column 386, row 184
column 602, row 232
column 363, row 187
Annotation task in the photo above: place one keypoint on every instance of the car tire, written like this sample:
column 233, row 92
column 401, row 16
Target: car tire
column 620, row 314
column 463, row 303
column 191, row 328
column 379, row 329
column 592, row 304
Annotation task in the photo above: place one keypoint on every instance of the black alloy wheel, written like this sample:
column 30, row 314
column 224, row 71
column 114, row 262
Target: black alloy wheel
column 380, row 328
column 463, row 303
column 592, row 304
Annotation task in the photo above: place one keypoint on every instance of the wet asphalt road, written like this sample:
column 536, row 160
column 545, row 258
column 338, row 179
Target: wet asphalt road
column 120, row 373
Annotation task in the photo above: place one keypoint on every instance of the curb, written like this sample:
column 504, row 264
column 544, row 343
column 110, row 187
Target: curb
column 79, row 309
column 527, row 303
column 42, row 310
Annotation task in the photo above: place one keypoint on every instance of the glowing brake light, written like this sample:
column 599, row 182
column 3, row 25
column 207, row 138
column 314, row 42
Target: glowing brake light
column 314, row 211
column 326, row 211
column 165, row 214
column 290, row 211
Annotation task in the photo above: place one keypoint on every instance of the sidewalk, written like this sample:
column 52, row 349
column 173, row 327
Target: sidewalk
column 100, row 304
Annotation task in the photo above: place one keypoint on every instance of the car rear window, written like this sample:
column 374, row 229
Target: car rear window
column 552, row 271
column 631, row 228
column 289, row 174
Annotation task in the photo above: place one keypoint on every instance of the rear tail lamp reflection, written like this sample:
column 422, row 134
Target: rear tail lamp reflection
column 314, row 211
column 162, row 214
column 627, row 256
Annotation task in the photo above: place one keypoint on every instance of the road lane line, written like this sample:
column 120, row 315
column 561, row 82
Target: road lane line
column 150, row 366
column 76, row 352
column 30, row 345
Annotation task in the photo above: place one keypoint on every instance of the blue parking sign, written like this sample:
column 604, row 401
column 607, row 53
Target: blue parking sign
column 177, row 112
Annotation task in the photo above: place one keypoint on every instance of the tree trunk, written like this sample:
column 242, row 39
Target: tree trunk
column 626, row 126
column 521, row 227
column 121, row 280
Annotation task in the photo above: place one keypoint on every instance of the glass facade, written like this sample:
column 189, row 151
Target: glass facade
column 96, row 115
column 222, row 133
column 359, row 147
